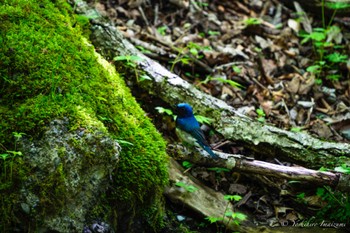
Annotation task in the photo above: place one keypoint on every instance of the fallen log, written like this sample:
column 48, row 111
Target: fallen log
column 205, row 201
column 243, row 164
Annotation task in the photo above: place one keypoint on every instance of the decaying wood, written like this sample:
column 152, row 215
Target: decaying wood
column 246, row 165
column 204, row 200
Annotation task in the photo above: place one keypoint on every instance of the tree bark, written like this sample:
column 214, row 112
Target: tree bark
column 246, row 165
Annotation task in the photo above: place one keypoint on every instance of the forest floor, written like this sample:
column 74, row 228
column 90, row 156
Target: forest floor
column 276, row 64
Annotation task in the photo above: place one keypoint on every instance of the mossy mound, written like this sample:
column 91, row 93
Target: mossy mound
column 48, row 70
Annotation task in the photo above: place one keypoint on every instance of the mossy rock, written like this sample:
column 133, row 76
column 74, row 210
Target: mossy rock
column 50, row 72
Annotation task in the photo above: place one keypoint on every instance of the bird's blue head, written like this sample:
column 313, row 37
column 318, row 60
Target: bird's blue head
column 184, row 110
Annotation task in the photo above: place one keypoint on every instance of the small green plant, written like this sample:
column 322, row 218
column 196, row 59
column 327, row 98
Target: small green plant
column 296, row 129
column 213, row 33
column 10, row 155
column 261, row 115
column 234, row 216
column 187, row 164
column 222, row 80
column 189, row 54
column 324, row 40
column 236, row 69
column 143, row 49
column 344, row 168
column 187, row 187
column 162, row 30
column 301, row 198
column 181, row 57
column 131, row 62
column 337, row 207
column 251, row 21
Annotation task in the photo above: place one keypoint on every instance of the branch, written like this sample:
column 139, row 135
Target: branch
column 245, row 165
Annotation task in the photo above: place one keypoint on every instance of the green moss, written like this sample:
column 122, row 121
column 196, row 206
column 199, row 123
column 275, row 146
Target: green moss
column 47, row 71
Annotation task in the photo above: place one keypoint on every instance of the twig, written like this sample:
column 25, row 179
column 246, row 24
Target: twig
column 143, row 15
column 156, row 11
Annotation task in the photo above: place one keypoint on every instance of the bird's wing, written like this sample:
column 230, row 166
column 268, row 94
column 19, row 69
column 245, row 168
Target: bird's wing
column 191, row 126
column 198, row 134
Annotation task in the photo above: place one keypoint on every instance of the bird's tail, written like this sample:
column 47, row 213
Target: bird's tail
column 211, row 153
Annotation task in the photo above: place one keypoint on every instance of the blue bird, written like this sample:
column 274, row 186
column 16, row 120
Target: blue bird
column 188, row 129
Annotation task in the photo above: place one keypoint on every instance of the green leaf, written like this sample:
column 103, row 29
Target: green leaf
column 323, row 169
column 194, row 51
column 144, row 77
column 15, row 153
column 123, row 142
column 230, row 82
column 142, row 49
column 260, row 112
column 120, row 58
column 213, row 219
column 318, row 81
column 314, row 69
column 320, row 192
column 301, row 196
column 203, row 119
column 185, row 60
column 336, row 57
column 232, row 197
column 162, row 110
column 229, row 214
column 261, row 119
column 128, row 58
column 180, row 184
column 252, row 21
column 189, row 188
column 240, row 216
column 295, row 129
column 333, row 77
column 4, row 156
column 319, row 30
column 187, row 164
column 318, row 36
column 343, row 169
column 219, row 169
column 161, row 30
column 337, row 5
column 236, row 69
column 213, row 33
column 18, row 135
